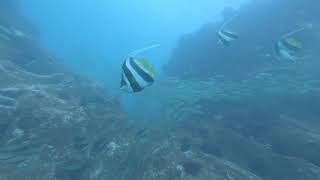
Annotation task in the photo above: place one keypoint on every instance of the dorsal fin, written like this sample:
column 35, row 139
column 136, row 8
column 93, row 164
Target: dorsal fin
column 138, row 51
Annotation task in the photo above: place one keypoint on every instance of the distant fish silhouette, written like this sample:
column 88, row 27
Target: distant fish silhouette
column 226, row 36
column 288, row 47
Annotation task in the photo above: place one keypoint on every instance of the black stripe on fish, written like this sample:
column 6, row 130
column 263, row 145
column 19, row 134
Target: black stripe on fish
column 226, row 33
column 223, row 41
column 145, row 76
column 132, row 81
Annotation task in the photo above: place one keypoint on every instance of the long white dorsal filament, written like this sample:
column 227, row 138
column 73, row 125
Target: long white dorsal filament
column 296, row 31
column 227, row 22
column 138, row 51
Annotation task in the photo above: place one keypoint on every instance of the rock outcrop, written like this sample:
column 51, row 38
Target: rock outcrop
column 55, row 125
column 260, row 24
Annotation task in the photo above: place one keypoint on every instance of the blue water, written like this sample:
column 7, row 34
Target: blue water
column 93, row 37
column 236, row 93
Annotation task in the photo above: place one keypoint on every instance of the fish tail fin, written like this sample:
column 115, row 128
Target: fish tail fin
column 138, row 51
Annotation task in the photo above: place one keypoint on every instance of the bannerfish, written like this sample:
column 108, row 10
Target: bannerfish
column 288, row 48
column 136, row 75
column 226, row 36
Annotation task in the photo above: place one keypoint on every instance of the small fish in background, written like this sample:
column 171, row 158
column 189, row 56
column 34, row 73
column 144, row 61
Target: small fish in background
column 288, row 47
column 225, row 35
column 137, row 74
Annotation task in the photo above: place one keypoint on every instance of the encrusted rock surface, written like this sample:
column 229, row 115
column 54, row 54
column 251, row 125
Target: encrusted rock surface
column 44, row 109
column 55, row 125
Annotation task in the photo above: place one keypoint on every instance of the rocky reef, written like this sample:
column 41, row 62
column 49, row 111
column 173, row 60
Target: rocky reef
column 56, row 125
column 266, row 125
column 200, row 55
column 60, row 126
column 239, row 103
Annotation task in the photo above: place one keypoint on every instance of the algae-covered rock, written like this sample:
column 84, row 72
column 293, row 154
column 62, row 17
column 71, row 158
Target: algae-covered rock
column 44, row 107
column 57, row 125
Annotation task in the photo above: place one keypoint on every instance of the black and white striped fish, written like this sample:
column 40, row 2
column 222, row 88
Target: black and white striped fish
column 136, row 75
column 288, row 48
column 227, row 36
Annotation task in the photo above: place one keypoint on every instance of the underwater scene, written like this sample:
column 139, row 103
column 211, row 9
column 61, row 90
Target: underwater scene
column 160, row 90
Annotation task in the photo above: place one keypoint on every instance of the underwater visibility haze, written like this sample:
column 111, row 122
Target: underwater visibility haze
column 159, row 90
column 94, row 37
